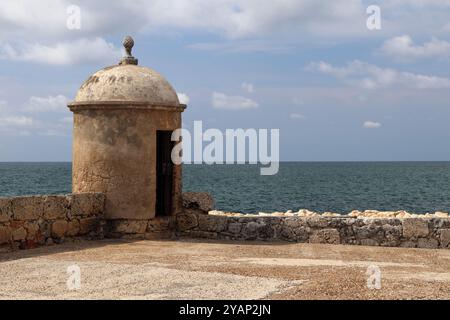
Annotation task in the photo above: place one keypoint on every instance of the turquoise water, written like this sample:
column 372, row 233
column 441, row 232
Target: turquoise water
column 321, row 186
column 35, row 178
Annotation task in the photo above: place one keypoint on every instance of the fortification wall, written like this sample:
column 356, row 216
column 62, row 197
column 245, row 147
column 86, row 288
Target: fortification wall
column 26, row 222
column 427, row 231
column 389, row 232
column 195, row 222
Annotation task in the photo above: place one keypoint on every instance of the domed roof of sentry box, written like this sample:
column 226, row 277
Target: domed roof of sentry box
column 127, row 82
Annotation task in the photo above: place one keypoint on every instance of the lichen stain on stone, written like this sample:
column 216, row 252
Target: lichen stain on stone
column 131, row 83
column 91, row 80
column 123, row 79
column 134, row 140
column 121, row 129
column 112, row 79
column 108, row 136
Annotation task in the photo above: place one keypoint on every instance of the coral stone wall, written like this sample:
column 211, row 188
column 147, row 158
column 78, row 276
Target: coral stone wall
column 389, row 232
column 27, row 222
column 423, row 232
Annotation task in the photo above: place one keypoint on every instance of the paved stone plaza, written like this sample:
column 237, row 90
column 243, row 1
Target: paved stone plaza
column 195, row 269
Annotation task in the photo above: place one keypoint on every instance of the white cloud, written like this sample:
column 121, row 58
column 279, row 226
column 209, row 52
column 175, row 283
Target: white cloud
column 250, row 18
column 371, row 125
column 45, row 21
column 47, row 104
column 63, row 53
column 233, row 19
column 13, row 124
column 250, row 25
column 16, row 121
column 404, row 48
column 16, row 125
column 43, row 17
column 223, row 101
column 248, row 87
column 183, row 98
column 369, row 76
column 296, row 116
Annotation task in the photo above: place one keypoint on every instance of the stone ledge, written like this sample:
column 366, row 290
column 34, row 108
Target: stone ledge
column 389, row 232
column 198, row 200
column 30, row 221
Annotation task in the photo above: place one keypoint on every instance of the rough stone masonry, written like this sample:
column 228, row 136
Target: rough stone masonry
column 422, row 232
column 26, row 222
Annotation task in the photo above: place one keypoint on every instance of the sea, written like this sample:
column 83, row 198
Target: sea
column 417, row 187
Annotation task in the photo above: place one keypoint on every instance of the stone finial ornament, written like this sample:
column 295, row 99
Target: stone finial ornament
column 128, row 44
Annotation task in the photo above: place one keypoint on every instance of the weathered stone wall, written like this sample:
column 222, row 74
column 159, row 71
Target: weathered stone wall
column 160, row 227
column 423, row 232
column 26, row 222
column 157, row 228
column 409, row 232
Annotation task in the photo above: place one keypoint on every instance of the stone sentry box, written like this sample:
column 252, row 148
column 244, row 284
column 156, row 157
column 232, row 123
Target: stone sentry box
column 123, row 119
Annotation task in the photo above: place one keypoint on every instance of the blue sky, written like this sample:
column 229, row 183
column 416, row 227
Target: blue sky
column 336, row 90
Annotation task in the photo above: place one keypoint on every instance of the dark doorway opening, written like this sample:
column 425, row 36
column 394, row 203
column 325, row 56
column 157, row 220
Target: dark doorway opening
column 164, row 173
